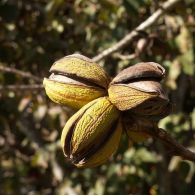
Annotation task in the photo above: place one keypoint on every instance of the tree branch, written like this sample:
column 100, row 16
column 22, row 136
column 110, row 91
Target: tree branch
column 19, row 72
column 143, row 26
column 177, row 148
column 125, row 57
column 20, row 87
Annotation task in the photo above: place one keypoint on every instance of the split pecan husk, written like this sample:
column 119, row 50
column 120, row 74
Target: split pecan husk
column 132, row 102
column 138, row 89
column 75, row 81
column 92, row 134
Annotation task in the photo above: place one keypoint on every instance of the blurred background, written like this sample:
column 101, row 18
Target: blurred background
column 35, row 33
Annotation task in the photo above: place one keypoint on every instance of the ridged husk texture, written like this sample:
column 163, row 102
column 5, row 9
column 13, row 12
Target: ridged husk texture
column 75, row 81
column 92, row 134
column 138, row 89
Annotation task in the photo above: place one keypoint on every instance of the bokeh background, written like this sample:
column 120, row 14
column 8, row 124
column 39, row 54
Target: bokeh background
column 35, row 33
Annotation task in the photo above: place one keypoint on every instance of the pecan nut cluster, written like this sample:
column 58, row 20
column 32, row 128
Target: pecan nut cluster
column 131, row 102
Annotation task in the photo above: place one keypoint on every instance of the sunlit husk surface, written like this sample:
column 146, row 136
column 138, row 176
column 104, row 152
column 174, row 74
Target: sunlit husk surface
column 138, row 89
column 92, row 135
column 76, row 80
column 72, row 95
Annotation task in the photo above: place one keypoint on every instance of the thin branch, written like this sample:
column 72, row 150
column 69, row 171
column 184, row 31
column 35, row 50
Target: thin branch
column 143, row 26
column 19, row 72
column 20, row 87
column 177, row 148
column 125, row 57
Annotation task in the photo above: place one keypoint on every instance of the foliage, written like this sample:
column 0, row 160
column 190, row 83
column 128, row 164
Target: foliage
column 33, row 34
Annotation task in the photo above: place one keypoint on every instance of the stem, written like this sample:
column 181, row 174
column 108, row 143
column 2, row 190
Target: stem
column 131, row 35
column 178, row 149
column 19, row 72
